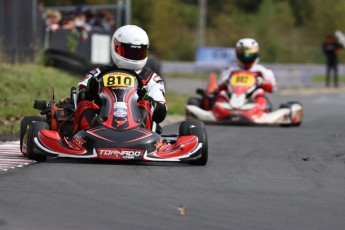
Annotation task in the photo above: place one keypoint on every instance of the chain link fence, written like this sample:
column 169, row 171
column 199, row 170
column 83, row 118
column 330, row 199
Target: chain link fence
column 19, row 32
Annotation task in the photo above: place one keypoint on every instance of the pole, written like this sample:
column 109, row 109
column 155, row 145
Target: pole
column 202, row 22
column 128, row 12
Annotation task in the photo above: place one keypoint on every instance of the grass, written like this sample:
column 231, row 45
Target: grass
column 321, row 78
column 187, row 75
column 23, row 83
column 176, row 103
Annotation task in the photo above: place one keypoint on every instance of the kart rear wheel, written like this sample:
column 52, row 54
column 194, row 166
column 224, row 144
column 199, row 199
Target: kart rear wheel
column 194, row 101
column 35, row 127
column 24, row 128
column 197, row 128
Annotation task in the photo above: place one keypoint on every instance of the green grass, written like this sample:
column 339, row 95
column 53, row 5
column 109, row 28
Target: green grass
column 176, row 103
column 321, row 78
column 21, row 84
column 188, row 75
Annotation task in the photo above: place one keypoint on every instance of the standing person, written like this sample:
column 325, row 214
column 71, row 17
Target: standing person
column 331, row 50
column 129, row 50
column 247, row 54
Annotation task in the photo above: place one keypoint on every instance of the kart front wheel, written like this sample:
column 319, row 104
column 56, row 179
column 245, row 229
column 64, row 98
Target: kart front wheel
column 35, row 127
column 24, row 128
column 197, row 128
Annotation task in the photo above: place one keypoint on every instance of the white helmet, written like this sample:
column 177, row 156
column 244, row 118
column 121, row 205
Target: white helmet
column 247, row 52
column 129, row 47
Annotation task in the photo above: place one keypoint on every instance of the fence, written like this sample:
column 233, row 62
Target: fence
column 22, row 29
column 19, row 31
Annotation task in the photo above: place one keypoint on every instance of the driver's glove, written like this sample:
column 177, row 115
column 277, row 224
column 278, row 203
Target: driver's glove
column 143, row 95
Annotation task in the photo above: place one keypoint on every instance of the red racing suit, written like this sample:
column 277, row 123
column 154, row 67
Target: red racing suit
column 151, row 98
column 267, row 85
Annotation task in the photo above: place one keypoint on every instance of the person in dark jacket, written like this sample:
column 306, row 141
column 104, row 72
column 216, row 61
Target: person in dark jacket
column 331, row 49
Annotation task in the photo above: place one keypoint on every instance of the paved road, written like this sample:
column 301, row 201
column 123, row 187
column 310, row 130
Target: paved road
column 265, row 178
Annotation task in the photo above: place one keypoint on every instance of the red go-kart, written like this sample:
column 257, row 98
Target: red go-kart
column 117, row 132
column 238, row 106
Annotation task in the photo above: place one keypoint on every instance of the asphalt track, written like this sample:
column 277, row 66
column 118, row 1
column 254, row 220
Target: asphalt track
column 262, row 178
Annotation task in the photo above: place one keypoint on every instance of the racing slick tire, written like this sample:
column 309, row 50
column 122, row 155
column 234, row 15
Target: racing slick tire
column 194, row 101
column 35, row 127
column 24, row 128
column 197, row 128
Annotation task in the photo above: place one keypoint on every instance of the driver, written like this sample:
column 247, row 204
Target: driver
column 129, row 49
column 247, row 53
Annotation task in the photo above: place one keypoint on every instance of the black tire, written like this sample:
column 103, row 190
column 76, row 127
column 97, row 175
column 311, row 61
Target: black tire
column 24, row 127
column 194, row 101
column 35, row 127
column 197, row 128
column 293, row 102
column 285, row 105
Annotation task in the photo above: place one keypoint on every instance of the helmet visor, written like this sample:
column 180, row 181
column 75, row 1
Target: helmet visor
column 130, row 51
column 247, row 55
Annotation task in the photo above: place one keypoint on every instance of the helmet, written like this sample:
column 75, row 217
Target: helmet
column 129, row 47
column 247, row 52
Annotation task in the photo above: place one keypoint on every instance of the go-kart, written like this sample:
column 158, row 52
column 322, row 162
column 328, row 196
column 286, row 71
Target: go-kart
column 117, row 132
column 238, row 107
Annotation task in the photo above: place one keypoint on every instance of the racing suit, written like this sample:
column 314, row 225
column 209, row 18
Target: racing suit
column 151, row 98
column 267, row 85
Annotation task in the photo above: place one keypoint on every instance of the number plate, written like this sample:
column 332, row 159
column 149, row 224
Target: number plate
column 118, row 79
column 242, row 79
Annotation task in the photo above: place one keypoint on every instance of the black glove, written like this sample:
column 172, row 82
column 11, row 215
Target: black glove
column 92, row 89
column 81, row 95
column 143, row 94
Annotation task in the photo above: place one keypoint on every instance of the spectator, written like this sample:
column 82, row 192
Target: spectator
column 101, row 22
column 110, row 21
column 80, row 22
column 52, row 19
column 68, row 22
column 331, row 49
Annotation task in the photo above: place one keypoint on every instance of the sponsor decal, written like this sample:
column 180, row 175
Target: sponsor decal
column 159, row 144
column 78, row 140
column 93, row 72
column 157, row 78
column 120, row 121
column 120, row 109
column 119, row 153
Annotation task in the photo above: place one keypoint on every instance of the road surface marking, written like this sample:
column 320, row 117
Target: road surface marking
column 11, row 157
